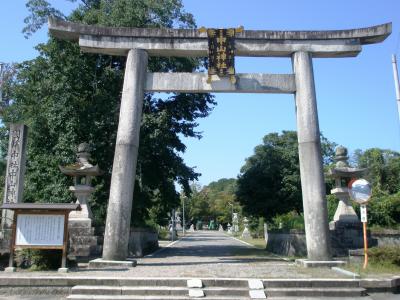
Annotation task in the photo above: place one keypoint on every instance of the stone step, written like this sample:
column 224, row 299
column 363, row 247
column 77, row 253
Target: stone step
column 315, row 292
column 214, row 292
column 234, row 283
column 309, row 283
column 155, row 290
column 129, row 290
column 131, row 297
column 317, row 298
column 105, row 297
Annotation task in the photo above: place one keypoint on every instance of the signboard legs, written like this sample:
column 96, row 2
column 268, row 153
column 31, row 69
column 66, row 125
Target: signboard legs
column 65, row 245
column 12, row 244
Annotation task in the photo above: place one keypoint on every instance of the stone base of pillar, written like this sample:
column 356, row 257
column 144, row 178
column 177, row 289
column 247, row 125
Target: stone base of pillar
column 319, row 263
column 10, row 269
column 63, row 270
column 5, row 240
column 346, row 236
column 100, row 263
column 82, row 240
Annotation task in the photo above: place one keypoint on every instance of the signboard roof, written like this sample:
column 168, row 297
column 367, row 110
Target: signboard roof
column 41, row 206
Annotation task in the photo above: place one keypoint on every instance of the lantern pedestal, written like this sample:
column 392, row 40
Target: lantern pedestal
column 83, row 242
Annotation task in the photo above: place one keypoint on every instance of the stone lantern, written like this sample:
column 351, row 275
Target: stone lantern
column 345, row 228
column 82, row 171
column 82, row 239
column 343, row 173
column 235, row 222
column 246, row 231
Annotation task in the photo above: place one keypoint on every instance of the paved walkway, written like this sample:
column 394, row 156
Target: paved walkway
column 215, row 254
column 205, row 254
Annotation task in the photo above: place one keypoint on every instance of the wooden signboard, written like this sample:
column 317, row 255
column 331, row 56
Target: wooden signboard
column 40, row 226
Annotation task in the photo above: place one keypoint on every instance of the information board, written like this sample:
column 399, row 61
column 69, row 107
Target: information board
column 39, row 230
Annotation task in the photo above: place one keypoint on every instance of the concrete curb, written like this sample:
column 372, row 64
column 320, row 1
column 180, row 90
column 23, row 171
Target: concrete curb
column 167, row 246
column 252, row 246
column 243, row 242
column 381, row 285
column 67, row 281
column 345, row 272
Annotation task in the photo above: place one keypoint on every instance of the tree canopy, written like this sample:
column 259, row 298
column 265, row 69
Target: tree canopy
column 67, row 97
column 383, row 172
column 215, row 201
column 269, row 182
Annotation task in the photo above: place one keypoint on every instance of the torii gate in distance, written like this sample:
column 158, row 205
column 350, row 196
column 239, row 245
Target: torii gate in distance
column 139, row 43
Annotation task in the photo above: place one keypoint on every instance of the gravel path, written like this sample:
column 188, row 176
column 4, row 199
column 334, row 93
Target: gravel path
column 214, row 254
column 205, row 254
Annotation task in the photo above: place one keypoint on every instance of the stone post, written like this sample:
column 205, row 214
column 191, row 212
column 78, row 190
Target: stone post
column 14, row 181
column 310, row 157
column 116, row 236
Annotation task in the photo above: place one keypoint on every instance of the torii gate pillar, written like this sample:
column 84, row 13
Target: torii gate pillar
column 116, row 235
column 310, row 157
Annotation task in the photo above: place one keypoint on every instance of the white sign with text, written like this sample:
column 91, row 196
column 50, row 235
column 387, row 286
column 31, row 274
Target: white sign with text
column 39, row 230
column 363, row 213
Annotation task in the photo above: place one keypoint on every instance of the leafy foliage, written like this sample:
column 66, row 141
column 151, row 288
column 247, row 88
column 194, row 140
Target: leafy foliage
column 38, row 260
column 269, row 183
column 67, row 97
column 383, row 171
column 215, row 201
column 385, row 255
column 383, row 168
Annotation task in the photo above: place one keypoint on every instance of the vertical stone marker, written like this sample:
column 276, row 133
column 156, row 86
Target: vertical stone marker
column 16, row 158
column 311, row 170
column 116, row 236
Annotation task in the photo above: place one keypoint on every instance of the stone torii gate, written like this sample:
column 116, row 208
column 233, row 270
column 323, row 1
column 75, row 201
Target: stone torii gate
column 138, row 43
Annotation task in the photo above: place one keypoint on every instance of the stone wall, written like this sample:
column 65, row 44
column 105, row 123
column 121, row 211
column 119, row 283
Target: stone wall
column 289, row 243
column 142, row 241
column 387, row 237
column 293, row 242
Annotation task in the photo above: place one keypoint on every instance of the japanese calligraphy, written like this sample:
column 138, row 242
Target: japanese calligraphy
column 221, row 52
column 14, row 167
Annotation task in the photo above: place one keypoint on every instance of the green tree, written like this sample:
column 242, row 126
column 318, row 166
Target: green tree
column 269, row 183
column 7, row 77
column 67, row 97
column 383, row 168
column 214, row 201
column 383, row 171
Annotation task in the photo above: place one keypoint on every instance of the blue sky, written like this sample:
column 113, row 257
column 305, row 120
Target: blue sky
column 356, row 97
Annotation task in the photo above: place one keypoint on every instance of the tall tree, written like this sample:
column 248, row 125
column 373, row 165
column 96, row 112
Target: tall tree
column 67, row 97
column 269, row 183
column 383, row 168
column 215, row 201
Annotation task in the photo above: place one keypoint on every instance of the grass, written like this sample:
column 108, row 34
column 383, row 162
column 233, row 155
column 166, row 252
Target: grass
column 373, row 269
column 257, row 252
column 258, row 243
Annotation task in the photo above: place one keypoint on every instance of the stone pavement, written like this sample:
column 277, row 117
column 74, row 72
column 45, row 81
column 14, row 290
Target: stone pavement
column 205, row 254
column 215, row 254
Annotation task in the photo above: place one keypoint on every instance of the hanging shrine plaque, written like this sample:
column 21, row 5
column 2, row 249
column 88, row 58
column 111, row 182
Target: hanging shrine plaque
column 221, row 52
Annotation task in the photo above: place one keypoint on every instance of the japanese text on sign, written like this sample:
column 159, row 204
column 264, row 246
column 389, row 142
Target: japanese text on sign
column 39, row 230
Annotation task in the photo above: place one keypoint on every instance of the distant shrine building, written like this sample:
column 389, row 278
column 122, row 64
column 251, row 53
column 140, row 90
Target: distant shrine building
column 221, row 46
